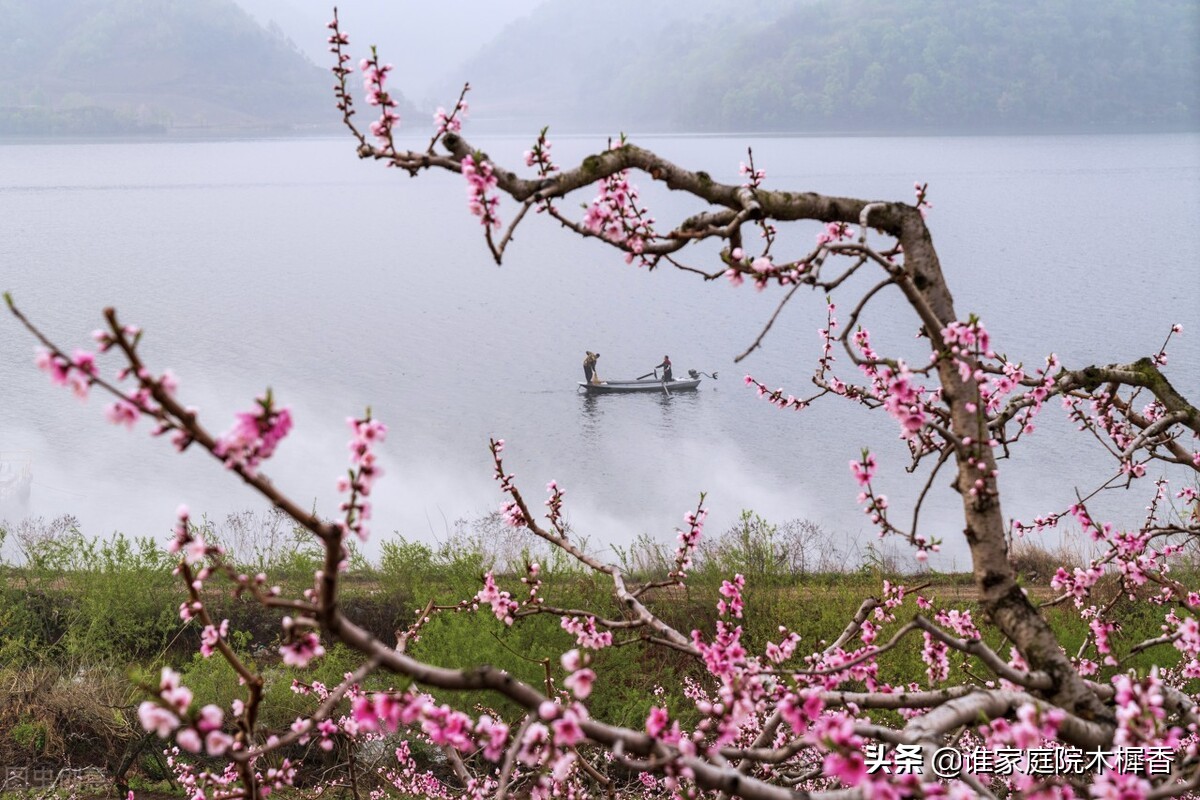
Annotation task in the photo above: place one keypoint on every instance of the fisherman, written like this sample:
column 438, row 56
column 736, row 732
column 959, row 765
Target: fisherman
column 665, row 366
column 589, row 367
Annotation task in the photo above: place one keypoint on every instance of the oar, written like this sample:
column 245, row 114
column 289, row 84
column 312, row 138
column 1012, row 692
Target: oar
column 647, row 375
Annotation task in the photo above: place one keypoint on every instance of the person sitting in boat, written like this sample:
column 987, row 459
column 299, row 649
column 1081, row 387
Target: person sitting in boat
column 589, row 367
column 665, row 366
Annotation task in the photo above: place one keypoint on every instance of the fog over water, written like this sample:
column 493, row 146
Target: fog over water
column 341, row 285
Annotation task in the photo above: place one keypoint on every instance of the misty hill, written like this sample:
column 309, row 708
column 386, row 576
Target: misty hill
column 411, row 35
column 117, row 66
column 848, row 65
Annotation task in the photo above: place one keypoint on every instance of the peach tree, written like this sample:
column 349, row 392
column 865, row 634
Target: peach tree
column 785, row 720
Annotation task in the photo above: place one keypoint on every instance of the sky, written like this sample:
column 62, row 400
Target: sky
column 422, row 40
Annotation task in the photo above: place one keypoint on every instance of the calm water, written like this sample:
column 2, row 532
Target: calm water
column 343, row 285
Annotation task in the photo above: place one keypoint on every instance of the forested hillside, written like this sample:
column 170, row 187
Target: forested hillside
column 872, row 65
column 101, row 66
column 114, row 66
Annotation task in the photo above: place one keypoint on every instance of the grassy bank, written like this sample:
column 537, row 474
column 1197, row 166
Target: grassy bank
column 85, row 625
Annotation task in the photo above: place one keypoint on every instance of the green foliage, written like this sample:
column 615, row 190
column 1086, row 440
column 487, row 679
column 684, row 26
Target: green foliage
column 124, row 66
column 763, row 552
column 31, row 623
column 76, row 603
column 861, row 65
column 29, row 736
column 266, row 541
column 281, row 705
column 879, row 563
column 646, row 559
column 122, row 584
column 212, row 680
column 405, row 561
column 463, row 640
column 455, row 565
column 86, row 599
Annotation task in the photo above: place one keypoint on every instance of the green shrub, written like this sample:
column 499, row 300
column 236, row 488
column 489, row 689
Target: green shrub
column 29, row 736
column 127, row 600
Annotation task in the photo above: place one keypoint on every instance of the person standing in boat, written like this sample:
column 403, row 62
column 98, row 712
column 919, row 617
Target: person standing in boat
column 589, row 367
column 665, row 366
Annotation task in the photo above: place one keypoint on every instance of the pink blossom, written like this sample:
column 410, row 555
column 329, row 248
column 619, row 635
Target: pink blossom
column 449, row 123
column 363, row 712
column 935, row 654
column 580, row 683
column 1100, row 633
column 374, row 86
column 778, row 653
column 365, row 470
column 567, row 732
column 195, row 550
column 614, row 215
column 755, row 176
column 801, row 710
column 84, row 361
column 254, row 435
column 656, row 723
column 495, row 737
column 79, row 384
column 210, row 636
column 689, row 541
column 863, row 469
column 849, row 768
column 586, row 634
column 539, row 155
column 536, row 735
column 302, row 649
column 217, row 743
column 835, row 232
column 189, row 740
column 513, row 515
column 55, row 366
column 121, row 412
column 177, row 696
column 503, row 606
column 481, row 181
column 154, row 717
column 732, row 590
column 762, row 265
column 210, row 718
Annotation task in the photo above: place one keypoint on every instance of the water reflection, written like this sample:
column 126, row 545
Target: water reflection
column 608, row 414
column 591, row 419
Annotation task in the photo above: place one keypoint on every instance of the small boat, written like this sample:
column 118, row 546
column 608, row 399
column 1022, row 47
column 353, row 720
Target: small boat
column 628, row 387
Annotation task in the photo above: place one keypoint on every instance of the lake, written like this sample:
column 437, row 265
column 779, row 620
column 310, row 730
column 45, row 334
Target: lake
column 343, row 285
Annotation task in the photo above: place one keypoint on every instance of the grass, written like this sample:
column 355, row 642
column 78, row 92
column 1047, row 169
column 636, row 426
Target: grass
column 87, row 623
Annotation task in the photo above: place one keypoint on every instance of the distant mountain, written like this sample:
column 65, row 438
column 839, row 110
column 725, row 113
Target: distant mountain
column 847, row 65
column 573, row 61
column 124, row 66
column 412, row 34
